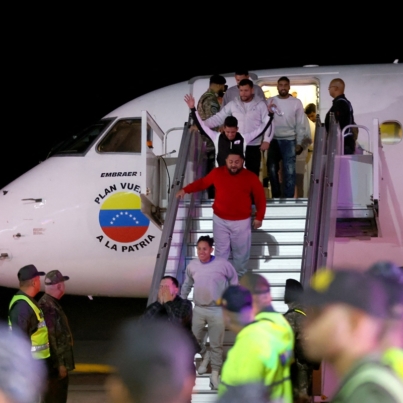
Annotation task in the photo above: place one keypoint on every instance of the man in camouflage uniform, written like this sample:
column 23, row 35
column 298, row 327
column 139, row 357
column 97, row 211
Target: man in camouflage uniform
column 208, row 106
column 60, row 338
column 301, row 369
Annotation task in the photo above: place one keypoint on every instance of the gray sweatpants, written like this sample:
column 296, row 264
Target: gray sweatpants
column 212, row 316
column 235, row 235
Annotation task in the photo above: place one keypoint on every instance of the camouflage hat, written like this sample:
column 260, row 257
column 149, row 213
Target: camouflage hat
column 236, row 298
column 29, row 272
column 54, row 277
column 349, row 287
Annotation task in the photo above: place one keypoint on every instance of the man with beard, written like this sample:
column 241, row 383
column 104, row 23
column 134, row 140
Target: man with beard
column 233, row 92
column 291, row 135
column 232, row 208
column 251, row 111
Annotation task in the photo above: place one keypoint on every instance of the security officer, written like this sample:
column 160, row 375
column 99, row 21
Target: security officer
column 25, row 314
column 263, row 348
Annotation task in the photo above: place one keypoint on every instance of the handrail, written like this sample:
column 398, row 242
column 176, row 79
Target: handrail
column 173, row 202
column 189, row 154
column 165, row 139
column 350, row 134
column 312, row 222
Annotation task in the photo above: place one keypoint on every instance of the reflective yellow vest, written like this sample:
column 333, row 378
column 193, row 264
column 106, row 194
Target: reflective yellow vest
column 262, row 353
column 39, row 339
column 393, row 357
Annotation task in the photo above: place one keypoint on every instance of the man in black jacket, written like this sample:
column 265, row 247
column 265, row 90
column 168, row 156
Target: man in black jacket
column 343, row 113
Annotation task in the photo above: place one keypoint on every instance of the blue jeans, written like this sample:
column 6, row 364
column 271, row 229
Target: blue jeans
column 281, row 150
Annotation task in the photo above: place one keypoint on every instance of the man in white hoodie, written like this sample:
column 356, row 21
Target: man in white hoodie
column 291, row 135
column 251, row 112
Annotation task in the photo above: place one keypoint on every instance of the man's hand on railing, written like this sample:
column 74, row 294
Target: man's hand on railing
column 180, row 194
column 189, row 99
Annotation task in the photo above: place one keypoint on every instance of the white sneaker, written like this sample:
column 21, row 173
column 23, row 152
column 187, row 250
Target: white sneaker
column 203, row 365
column 214, row 380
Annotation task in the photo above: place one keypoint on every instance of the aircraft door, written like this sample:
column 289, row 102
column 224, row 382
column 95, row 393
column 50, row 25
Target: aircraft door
column 152, row 138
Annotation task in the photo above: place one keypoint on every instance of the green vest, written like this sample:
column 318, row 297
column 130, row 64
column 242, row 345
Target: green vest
column 262, row 353
column 393, row 357
column 39, row 339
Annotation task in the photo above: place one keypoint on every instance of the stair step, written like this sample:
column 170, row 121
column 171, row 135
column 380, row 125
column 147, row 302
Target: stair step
column 278, row 223
column 279, row 236
column 271, row 211
column 257, row 249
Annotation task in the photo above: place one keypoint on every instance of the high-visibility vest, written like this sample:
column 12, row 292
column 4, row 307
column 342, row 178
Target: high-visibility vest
column 393, row 357
column 39, row 339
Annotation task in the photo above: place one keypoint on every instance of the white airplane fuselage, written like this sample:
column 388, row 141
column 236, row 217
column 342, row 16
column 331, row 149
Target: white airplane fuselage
column 75, row 213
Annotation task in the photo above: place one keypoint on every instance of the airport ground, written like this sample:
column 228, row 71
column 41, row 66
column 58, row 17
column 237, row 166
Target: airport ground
column 93, row 324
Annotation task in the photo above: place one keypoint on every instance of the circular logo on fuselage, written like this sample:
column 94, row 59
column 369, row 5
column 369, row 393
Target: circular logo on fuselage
column 121, row 218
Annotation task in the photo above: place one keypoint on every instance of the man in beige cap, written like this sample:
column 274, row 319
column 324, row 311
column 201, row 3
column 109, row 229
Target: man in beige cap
column 60, row 338
column 349, row 311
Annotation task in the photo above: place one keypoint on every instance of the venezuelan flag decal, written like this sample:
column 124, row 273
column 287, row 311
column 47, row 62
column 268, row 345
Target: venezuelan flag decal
column 121, row 219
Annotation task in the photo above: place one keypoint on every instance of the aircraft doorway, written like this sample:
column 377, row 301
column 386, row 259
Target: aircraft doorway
column 308, row 93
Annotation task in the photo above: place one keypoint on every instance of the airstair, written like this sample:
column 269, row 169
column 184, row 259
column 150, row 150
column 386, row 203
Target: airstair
column 295, row 238
column 276, row 251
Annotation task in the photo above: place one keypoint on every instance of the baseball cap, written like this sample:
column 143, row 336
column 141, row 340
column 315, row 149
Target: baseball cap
column 28, row 272
column 54, row 277
column 236, row 298
column 255, row 283
column 353, row 288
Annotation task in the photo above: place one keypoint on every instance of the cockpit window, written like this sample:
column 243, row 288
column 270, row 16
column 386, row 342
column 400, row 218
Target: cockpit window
column 81, row 143
column 124, row 137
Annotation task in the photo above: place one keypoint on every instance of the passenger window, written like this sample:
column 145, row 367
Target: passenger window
column 391, row 132
column 124, row 137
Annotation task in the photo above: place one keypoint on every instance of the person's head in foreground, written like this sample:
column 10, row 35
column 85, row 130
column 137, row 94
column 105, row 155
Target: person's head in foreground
column 153, row 364
column 236, row 303
column 347, row 317
column 21, row 376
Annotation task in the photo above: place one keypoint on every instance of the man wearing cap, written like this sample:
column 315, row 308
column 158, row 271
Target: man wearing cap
column 60, row 338
column 345, row 328
column 25, row 314
column 281, row 334
column 262, row 351
column 232, row 208
column 391, row 277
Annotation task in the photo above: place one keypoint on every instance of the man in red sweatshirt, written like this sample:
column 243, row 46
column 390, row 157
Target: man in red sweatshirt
column 236, row 187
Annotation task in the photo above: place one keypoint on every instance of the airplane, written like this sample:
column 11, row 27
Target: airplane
column 91, row 209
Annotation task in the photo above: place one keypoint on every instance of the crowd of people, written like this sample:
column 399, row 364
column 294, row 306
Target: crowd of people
column 350, row 320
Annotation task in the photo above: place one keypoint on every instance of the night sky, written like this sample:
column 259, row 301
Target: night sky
column 56, row 89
